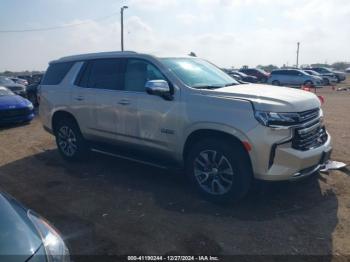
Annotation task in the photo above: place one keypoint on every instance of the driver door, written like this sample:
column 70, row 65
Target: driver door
column 151, row 120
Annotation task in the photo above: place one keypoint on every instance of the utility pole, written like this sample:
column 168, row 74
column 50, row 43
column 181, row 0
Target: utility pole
column 298, row 44
column 122, row 26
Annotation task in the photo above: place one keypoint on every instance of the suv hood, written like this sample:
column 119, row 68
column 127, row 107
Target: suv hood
column 270, row 98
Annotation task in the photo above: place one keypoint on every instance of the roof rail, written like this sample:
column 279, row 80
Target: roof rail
column 93, row 55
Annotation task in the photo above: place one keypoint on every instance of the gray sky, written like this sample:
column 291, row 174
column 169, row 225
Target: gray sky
column 227, row 32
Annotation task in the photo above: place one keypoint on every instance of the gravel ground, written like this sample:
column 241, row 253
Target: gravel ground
column 112, row 206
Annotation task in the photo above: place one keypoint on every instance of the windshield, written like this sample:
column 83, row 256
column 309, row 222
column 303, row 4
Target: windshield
column 5, row 92
column 310, row 72
column 6, row 81
column 198, row 73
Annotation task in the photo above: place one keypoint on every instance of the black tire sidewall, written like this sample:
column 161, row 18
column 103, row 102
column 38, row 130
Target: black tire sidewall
column 308, row 82
column 81, row 144
column 239, row 162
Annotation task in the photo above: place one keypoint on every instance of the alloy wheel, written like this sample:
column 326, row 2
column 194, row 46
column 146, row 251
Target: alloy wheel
column 213, row 172
column 67, row 141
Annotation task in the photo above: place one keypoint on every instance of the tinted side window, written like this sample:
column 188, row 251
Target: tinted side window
column 56, row 72
column 276, row 72
column 138, row 72
column 287, row 72
column 104, row 74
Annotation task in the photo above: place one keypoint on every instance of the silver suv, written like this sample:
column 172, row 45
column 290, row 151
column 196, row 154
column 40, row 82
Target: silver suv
column 183, row 112
column 293, row 77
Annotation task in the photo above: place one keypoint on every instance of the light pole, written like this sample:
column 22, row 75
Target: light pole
column 122, row 26
column 298, row 44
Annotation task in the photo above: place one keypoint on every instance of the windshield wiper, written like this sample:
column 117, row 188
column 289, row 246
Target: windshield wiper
column 207, row 86
column 231, row 84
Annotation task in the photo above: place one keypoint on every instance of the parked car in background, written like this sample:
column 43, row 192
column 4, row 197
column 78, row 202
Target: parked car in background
column 260, row 74
column 293, row 77
column 243, row 77
column 19, row 81
column 347, row 70
column 28, row 78
column 32, row 93
column 36, row 78
column 25, row 236
column 341, row 76
column 18, row 89
column 14, row 108
column 183, row 112
column 234, row 76
column 328, row 79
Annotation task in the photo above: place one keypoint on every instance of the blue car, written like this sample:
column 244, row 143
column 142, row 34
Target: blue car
column 14, row 108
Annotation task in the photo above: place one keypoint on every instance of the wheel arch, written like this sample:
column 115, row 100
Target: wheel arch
column 234, row 139
column 61, row 114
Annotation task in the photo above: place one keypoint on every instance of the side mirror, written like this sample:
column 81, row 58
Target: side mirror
column 159, row 88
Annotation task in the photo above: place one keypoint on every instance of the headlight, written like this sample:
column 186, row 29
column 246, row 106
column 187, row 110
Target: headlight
column 30, row 106
column 272, row 119
column 55, row 248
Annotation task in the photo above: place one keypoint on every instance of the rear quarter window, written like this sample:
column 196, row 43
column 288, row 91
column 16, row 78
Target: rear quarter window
column 56, row 72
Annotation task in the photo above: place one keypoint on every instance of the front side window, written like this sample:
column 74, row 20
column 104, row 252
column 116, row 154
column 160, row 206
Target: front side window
column 198, row 73
column 138, row 72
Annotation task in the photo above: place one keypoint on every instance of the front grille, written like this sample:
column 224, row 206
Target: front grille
column 311, row 133
column 308, row 115
column 17, row 112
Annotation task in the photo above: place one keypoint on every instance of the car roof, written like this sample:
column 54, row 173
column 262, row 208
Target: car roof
column 98, row 55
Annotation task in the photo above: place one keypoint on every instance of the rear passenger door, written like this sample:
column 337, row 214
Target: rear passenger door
column 98, row 90
column 296, row 77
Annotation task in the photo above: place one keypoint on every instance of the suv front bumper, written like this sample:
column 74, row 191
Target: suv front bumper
column 292, row 164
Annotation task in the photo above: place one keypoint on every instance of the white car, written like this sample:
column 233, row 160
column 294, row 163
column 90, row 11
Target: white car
column 328, row 79
column 294, row 78
column 183, row 112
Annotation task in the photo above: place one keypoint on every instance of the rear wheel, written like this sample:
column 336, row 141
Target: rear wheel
column 308, row 83
column 70, row 142
column 276, row 83
column 220, row 170
column 326, row 81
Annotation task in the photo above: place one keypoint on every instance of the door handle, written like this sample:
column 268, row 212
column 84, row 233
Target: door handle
column 79, row 98
column 124, row 102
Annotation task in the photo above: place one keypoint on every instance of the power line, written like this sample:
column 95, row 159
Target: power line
column 57, row 27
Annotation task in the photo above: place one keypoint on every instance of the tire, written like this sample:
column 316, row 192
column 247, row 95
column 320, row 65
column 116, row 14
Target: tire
column 205, row 164
column 276, row 83
column 69, row 140
column 308, row 83
column 338, row 79
column 326, row 81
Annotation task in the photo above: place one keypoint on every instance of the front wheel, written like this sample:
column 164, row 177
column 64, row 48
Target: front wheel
column 70, row 142
column 220, row 170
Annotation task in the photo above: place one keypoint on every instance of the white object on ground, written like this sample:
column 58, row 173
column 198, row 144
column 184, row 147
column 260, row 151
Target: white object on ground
column 333, row 165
